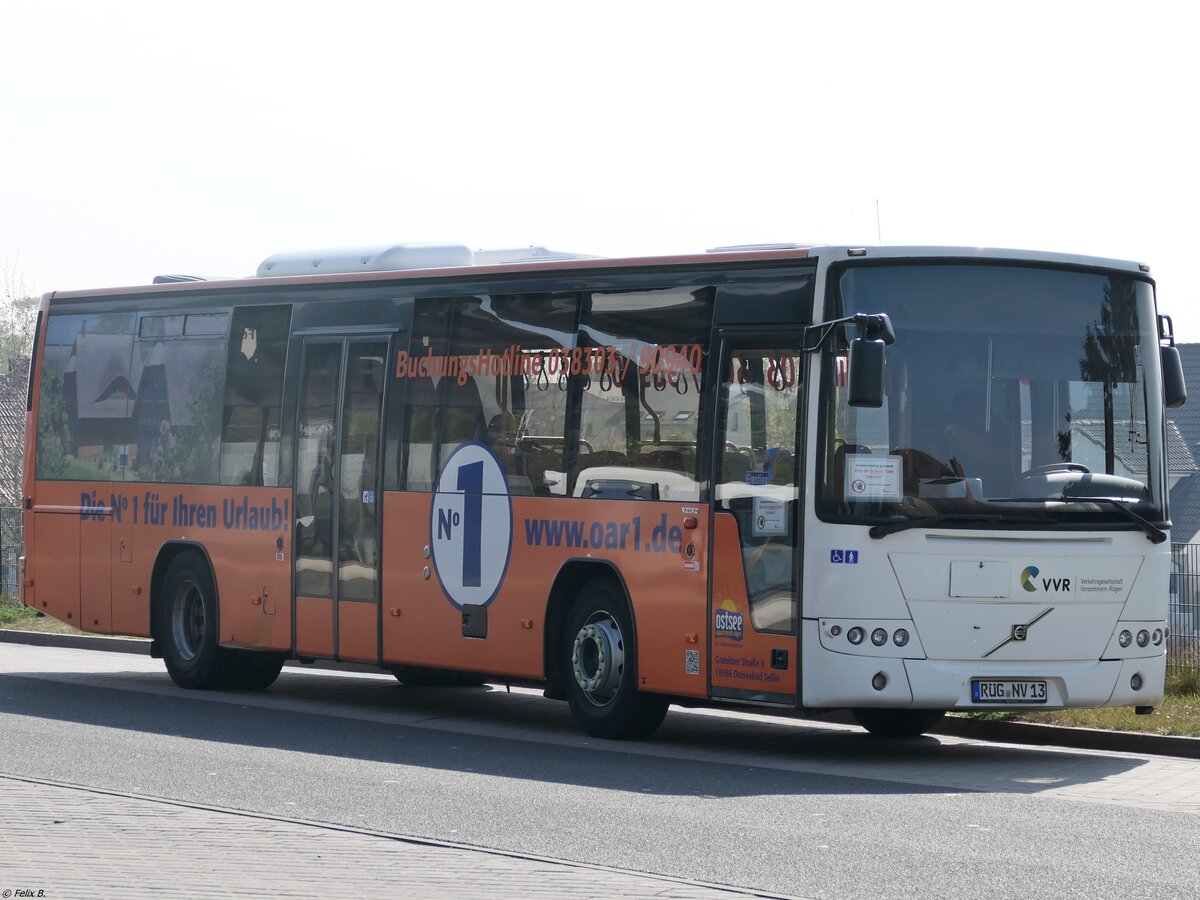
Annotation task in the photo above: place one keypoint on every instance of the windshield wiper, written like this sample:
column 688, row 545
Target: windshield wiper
column 1153, row 532
column 879, row 531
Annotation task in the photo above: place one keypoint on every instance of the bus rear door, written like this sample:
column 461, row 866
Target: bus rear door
column 337, row 536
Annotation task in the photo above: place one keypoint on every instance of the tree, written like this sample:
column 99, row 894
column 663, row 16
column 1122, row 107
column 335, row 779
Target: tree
column 1110, row 354
column 18, row 316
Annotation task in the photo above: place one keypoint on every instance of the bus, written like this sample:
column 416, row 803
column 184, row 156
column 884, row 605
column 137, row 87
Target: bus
column 891, row 480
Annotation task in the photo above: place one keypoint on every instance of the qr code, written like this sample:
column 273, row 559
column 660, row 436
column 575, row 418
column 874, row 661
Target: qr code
column 691, row 662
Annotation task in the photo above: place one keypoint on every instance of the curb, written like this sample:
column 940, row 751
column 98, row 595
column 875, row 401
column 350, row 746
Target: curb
column 141, row 646
column 1075, row 738
column 76, row 641
column 954, row 726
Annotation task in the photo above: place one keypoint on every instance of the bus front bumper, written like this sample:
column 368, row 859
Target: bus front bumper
column 842, row 680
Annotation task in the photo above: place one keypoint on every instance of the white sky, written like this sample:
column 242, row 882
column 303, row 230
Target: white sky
column 144, row 138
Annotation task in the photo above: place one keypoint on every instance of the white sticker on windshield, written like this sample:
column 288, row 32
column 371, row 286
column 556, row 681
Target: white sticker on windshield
column 770, row 517
column 872, row 477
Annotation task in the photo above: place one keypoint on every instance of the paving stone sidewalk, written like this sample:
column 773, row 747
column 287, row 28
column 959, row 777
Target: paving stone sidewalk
column 61, row 842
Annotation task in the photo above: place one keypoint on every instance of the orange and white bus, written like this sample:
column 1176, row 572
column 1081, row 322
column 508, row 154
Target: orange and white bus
column 686, row 479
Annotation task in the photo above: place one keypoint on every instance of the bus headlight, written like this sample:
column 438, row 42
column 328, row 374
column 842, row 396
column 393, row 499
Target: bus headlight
column 1143, row 638
column 855, row 635
column 900, row 637
column 1125, row 638
column 878, row 637
column 1157, row 638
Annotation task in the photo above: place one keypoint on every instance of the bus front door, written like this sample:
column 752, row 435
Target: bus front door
column 754, row 594
column 337, row 536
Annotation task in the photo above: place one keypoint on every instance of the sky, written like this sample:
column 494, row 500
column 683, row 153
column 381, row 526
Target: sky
column 146, row 138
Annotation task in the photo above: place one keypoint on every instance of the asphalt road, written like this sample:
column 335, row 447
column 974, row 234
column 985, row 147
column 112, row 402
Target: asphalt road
column 776, row 805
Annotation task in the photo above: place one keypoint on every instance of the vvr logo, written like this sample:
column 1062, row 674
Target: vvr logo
column 1029, row 579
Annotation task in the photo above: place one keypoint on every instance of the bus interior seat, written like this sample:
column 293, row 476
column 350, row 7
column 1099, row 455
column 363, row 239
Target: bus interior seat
column 502, row 439
column 782, row 463
column 734, row 466
column 619, row 489
column 659, row 458
column 597, row 459
column 461, row 415
column 540, row 459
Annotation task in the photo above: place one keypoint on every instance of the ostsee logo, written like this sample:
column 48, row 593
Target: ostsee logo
column 728, row 622
column 1027, row 578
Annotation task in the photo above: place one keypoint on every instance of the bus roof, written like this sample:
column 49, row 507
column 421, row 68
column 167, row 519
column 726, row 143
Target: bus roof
column 447, row 261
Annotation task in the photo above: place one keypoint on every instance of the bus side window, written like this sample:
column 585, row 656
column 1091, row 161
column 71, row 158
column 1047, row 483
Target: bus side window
column 480, row 369
column 86, row 428
column 415, row 465
column 642, row 359
column 250, row 432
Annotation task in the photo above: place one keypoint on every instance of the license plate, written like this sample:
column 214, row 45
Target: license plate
column 995, row 691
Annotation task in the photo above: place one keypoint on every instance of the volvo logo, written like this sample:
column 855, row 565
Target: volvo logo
column 1020, row 631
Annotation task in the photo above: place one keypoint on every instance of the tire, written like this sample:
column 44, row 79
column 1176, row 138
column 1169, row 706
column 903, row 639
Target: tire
column 600, row 667
column 422, row 676
column 253, row 670
column 898, row 723
column 187, row 625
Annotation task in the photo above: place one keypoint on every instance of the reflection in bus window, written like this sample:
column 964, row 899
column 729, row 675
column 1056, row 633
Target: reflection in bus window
column 491, row 370
column 315, row 488
column 998, row 418
column 250, row 433
column 757, row 480
column 640, row 373
column 126, row 401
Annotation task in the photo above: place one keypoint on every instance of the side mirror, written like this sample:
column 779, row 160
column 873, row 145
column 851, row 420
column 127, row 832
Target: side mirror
column 1174, row 387
column 866, row 372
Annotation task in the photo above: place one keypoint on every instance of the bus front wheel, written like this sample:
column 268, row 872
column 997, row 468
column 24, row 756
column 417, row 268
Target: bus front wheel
column 600, row 668
column 898, row 723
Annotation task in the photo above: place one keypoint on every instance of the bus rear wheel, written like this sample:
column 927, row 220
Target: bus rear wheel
column 600, row 667
column 898, row 723
column 187, row 625
column 187, row 632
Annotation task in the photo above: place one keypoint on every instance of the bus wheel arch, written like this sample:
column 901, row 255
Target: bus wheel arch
column 591, row 620
column 185, row 624
column 184, row 611
column 569, row 581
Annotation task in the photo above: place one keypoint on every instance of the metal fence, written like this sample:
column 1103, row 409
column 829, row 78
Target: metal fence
column 1183, row 645
column 10, row 550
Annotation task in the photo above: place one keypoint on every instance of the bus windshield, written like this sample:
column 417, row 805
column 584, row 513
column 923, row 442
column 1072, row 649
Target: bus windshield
column 1014, row 395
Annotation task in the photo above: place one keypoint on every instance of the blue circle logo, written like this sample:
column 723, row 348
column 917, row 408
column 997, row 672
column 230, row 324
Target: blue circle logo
column 471, row 526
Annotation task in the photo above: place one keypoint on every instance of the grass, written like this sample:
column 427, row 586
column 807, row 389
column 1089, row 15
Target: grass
column 1178, row 714
column 18, row 618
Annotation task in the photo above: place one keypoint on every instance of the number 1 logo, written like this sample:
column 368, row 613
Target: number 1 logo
column 471, row 500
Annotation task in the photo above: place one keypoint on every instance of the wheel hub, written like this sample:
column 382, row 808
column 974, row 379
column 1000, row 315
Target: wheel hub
column 598, row 658
column 187, row 620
